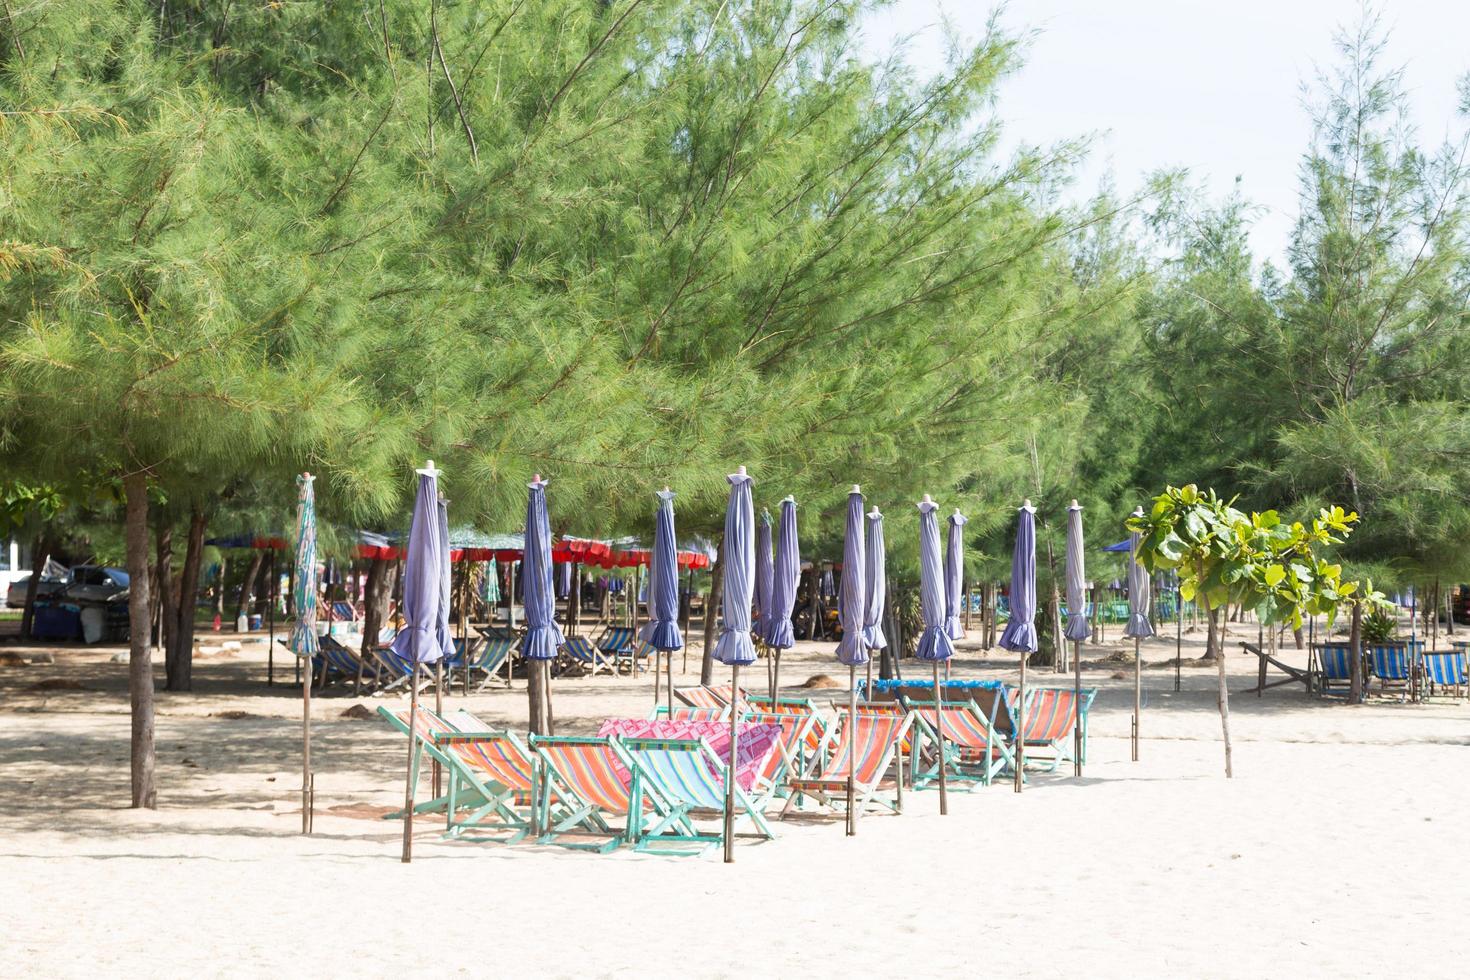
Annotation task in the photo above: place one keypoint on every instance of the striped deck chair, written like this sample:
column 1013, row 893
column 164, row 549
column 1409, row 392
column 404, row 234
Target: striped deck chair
column 585, row 773
column 1334, row 668
column 618, row 642
column 800, row 707
column 682, row 712
column 795, row 754
column 490, row 774
column 1051, row 714
column 974, row 751
column 494, row 654
column 705, row 696
column 581, row 651
column 688, row 776
column 865, row 750
column 1392, row 665
column 395, row 671
column 1446, row 670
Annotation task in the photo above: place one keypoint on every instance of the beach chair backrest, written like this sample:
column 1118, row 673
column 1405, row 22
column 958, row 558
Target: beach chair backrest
column 589, row 767
column 1391, row 663
column 994, row 705
column 702, row 697
column 581, row 649
column 964, row 723
column 1446, row 668
column 494, row 653
column 1336, row 661
column 504, row 758
column 683, row 771
column 616, row 639
column 1051, row 713
column 796, row 731
column 863, row 747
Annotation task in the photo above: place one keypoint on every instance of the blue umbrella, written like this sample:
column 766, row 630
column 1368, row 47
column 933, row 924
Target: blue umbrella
column 954, row 575
column 303, row 635
column 779, row 634
column 851, row 611
column 662, row 630
column 877, row 584
column 543, row 636
column 1020, row 633
column 765, row 574
column 420, row 642
column 1077, row 628
column 1138, row 625
column 734, row 646
column 935, row 644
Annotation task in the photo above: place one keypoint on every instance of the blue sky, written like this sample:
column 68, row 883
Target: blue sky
column 1213, row 86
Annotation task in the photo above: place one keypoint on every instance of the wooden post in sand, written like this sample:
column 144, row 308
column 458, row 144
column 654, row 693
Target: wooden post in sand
column 939, row 736
column 1077, row 700
column 852, row 750
column 412, row 778
column 730, row 767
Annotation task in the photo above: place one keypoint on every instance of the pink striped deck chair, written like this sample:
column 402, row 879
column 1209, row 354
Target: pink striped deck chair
column 682, row 712
column 865, row 750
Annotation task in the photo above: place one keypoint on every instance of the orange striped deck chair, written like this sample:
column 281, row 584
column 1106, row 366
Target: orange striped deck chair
column 794, row 753
column 974, row 751
column 587, row 774
column 706, row 696
column 490, row 774
column 800, row 707
column 1050, row 715
column 865, row 749
column 682, row 712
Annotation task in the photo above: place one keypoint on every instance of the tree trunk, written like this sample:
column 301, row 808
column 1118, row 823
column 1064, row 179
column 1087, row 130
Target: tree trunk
column 1224, row 696
column 375, row 606
column 1449, row 611
column 1296, row 634
column 179, row 661
column 247, row 587
column 1212, row 642
column 168, row 610
column 40, row 551
column 712, row 615
column 140, row 659
column 219, row 592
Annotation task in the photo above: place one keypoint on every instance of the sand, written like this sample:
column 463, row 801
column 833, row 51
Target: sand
column 1338, row 849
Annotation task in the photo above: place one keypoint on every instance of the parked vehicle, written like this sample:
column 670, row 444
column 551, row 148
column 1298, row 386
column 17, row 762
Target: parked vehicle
column 94, row 583
column 54, row 578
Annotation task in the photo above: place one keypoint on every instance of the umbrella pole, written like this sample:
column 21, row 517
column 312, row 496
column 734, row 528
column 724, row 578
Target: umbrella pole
column 776, row 675
column 1077, row 700
column 939, row 735
column 546, row 695
column 1137, row 694
column 413, row 733
column 306, row 800
column 1178, row 636
column 669, row 681
column 270, row 611
column 851, row 749
column 438, row 710
column 1020, row 722
column 729, row 824
column 868, row 689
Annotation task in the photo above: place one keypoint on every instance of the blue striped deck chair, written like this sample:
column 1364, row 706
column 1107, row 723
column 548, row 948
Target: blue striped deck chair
column 494, row 654
column 396, row 671
column 1446, row 670
column 688, row 777
column 490, row 775
column 600, row 786
column 1392, row 665
column 1334, row 668
column 341, row 661
column 581, row 651
column 616, row 640
column 636, row 657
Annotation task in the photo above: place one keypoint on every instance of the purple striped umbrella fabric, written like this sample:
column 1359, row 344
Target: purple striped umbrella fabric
column 954, row 574
column 1077, row 626
column 786, row 574
column 877, row 584
column 851, row 596
column 765, row 574
column 934, row 642
column 734, row 646
column 419, row 640
column 1139, row 592
column 662, row 629
column 1020, row 632
column 543, row 635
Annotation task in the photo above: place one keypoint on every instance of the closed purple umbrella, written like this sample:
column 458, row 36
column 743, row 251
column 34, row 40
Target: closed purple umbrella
column 1138, row 626
column 662, row 631
column 765, row 574
column 935, row 644
column 734, row 646
column 787, row 573
column 851, row 610
column 954, row 575
column 419, row 641
column 1077, row 628
column 877, row 584
column 1020, row 632
column 543, row 636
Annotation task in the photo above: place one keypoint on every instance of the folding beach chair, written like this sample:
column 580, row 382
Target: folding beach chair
column 689, row 776
column 800, row 707
column 1051, row 714
column 581, row 651
column 1392, row 665
column 619, row 643
column 1334, row 668
column 1446, row 670
column 635, row 657
column 865, row 750
column 490, row 774
column 587, row 773
column 794, row 756
column 682, row 712
column 395, row 671
column 706, row 696
column 974, row 751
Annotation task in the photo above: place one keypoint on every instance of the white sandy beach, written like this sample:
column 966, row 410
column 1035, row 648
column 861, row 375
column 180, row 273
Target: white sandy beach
column 1338, row 850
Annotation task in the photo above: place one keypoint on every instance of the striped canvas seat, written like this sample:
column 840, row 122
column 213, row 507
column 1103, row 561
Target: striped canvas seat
column 1050, row 720
column 616, row 640
column 581, row 650
column 395, row 671
column 890, row 709
column 974, row 750
column 1446, row 670
column 340, row 660
column 490, row 774
column 587, row 775
column 706, row 696
column 1392, row 665
column 680, row 712
column 1334, row 667
column 793, row 753
column 687, row 775
column 864, row 750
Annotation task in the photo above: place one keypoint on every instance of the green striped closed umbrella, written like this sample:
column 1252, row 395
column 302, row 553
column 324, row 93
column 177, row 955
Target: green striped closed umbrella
column 303, row 635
